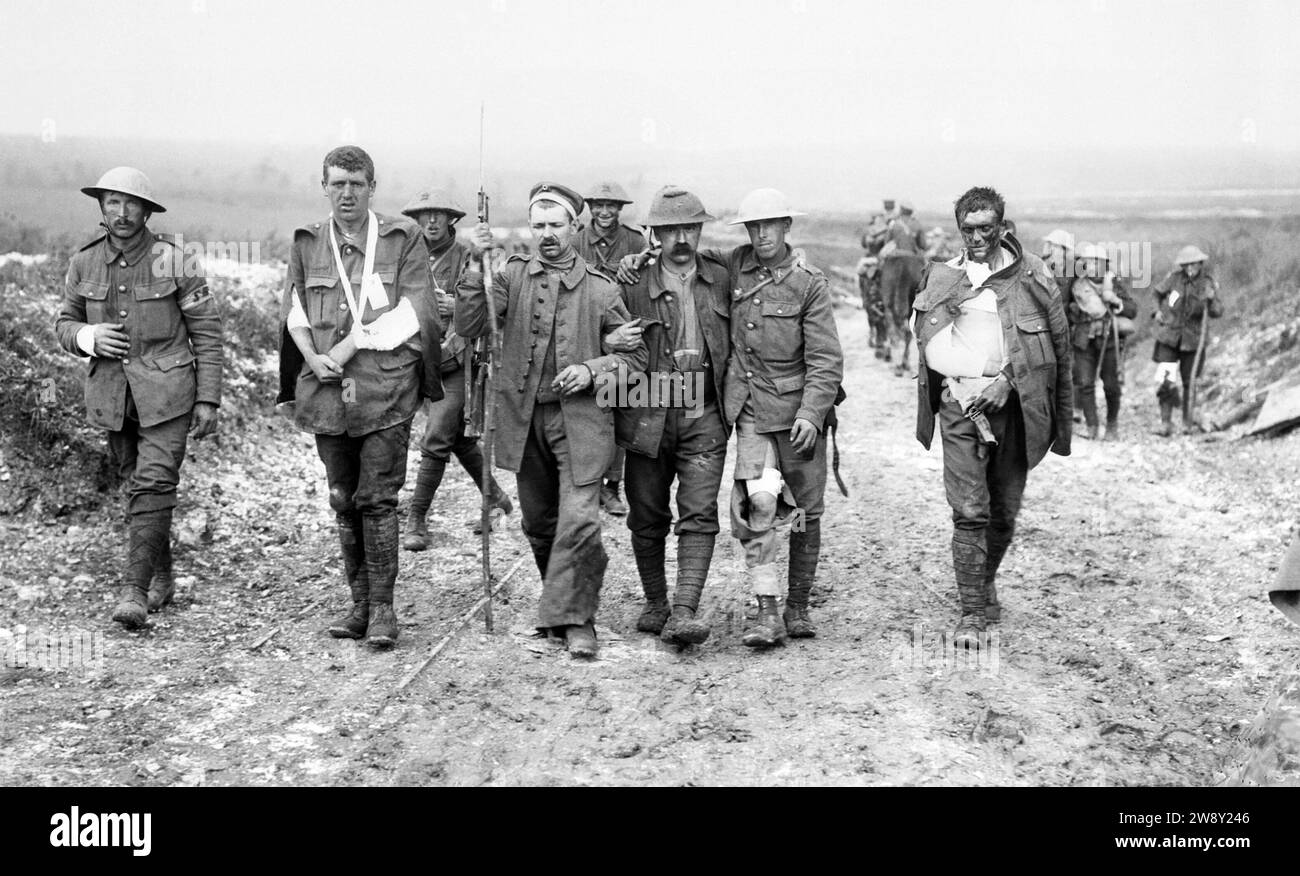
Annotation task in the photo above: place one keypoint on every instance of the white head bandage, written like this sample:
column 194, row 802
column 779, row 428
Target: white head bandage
column 552, row 198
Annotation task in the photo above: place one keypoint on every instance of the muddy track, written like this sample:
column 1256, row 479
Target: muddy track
column 1136, row 645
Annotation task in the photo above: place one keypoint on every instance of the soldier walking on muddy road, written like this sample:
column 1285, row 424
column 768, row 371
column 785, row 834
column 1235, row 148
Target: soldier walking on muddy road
column 554, row 310
column 995, row 360
column 1183, row 299
column 444, row 434
column 365, row 349
column 781, row 384
column 1058, row 256
column 152, row 331
column 869, row 284
column 603, row 244
column 901, row 261
column 1094, row 304
column 683, row 305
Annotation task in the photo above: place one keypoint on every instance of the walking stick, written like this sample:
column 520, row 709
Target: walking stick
column 489, row 396
column 1200, row 357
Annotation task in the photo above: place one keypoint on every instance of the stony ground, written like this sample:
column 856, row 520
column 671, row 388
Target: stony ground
column 1137, row 646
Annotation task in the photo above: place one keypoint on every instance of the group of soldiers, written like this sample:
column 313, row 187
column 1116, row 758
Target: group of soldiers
column 384, row 315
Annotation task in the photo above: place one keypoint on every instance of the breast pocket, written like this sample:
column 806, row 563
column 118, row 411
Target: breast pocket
column 1036, row 339
column 158, row 316
column 94, row 297
column 323, row 298
column 782, row 332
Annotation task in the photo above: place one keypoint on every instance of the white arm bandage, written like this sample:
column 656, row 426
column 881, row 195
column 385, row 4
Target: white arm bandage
column 297, row 318
column 390, row 330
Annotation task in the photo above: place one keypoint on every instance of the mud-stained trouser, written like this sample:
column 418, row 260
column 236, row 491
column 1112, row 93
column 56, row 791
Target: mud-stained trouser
column 444, row 434
column 365, row 473
column 1085, row 379
column 804, row 479
column 562, row 522
column 694, row 451
column 985, row 485
column 149, row 459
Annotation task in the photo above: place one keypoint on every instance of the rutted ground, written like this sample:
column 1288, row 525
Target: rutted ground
column 1137, row 644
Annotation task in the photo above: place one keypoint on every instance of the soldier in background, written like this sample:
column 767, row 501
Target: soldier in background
column 902, row 258
column 153, row 335
column 938, row 246
column 1058, row 256
column 1182, row 300
column 437, row 213
column 603, row 244
column 869, row 284
column 1092, row 305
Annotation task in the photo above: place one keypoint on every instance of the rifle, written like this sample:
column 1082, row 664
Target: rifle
column 1197, row 361
column 484, row 385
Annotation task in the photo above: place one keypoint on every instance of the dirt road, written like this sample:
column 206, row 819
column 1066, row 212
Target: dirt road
column 1135, row 648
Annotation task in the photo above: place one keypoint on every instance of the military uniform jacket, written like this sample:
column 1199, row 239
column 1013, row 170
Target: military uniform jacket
column 642, row 429
column 1178, row 325
column 444, row 274
column 1037, row 340
column 785, row 348
column 171, row 319
column 1081, row 323
column 603, row 253
column 380, row 388
column 584, row 307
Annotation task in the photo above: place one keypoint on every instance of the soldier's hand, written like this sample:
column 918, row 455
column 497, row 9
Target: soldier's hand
column 803, row 436
column 629, row 268
column 325, row 369
column 573, row 379
column 110, row 341
column 994, row 396
column 625, row 338
column 446, row 304
column 480, row 239
column 203, row 421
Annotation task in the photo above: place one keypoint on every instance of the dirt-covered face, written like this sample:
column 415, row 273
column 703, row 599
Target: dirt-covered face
column 124, row 214
column 679, row 242
column 768, row 236
column 552, row 228
column 437, row 226
column 604, row 214
column 349, row 193
column 981, row 232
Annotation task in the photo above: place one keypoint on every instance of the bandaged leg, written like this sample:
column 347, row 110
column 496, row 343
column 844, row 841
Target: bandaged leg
column 763, row 490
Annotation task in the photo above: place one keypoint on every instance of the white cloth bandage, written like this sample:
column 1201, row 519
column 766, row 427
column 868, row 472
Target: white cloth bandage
column 297, row 316
column 554, row 199
column 1166, row 371
column 391, row 329
column 768, row 482
column 86, row 339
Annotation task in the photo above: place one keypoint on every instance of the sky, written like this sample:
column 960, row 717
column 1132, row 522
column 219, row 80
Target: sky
column 797, row 91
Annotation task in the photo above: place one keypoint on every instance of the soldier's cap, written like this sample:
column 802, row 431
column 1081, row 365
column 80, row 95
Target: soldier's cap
column 1093, row 251
column 566, row 197
column 608, row 191
column 433, row 199
column 763, row 204
column 888, row 203
column 674, row 205
column 128, row 181
column 1190, row 255
column 1060, row 237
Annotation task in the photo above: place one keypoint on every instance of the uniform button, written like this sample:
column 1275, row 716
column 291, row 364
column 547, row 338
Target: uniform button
column 668, row 325
column 749, row 324
column 343, row 305
column 121, row 288
column 537, row 316
column 541, row 300
column 668, row 298
column 749, row 373
column 126, row 361
column 749, row 349
column 122, row 263
column 934, row 320
column 779, row 310
column 121, row 313
column 758, row 301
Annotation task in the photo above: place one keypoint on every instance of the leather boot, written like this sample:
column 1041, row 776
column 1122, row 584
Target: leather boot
column 694, row 554
column 1085, row 400
column 610, row 501
column 146, row 538
column 163, row 587
column 381, row 567
column 805, row 549
column 649, row 554
column 427, row 482
column 472, row 461
column 996, row 545
column 581, row 640
column 1112, row 415
column 969, row 555
column 768, row 628
column 352, row 543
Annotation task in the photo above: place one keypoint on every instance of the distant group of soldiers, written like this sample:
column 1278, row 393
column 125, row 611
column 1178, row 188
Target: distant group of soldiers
column 625, row 356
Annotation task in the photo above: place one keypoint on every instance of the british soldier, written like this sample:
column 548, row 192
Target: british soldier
column 153, row 335
column 1183, row 299
column 1094, row 302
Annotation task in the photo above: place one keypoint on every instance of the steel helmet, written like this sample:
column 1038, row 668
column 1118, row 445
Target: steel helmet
column 673, row 205
column 1061, row 238
column 906, row 207
column 1190, row 255
column 608, row 191
column 433, row 199
column 763, row 204
column 128, row 181
column 1093, row 251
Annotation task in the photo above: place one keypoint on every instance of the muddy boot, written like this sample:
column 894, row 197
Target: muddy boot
column 163, row 587
column 1166, row 427
column 610, row 501
column 381, row 568
column 581, row 639
column 649, row 555
column 147, row 537
column 1112, row 415
column 352, row 544
column 768, row 628
column 805, row 548
column 427, row 482
column 969, row 555
column 1112, row 431
column 694, row 554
